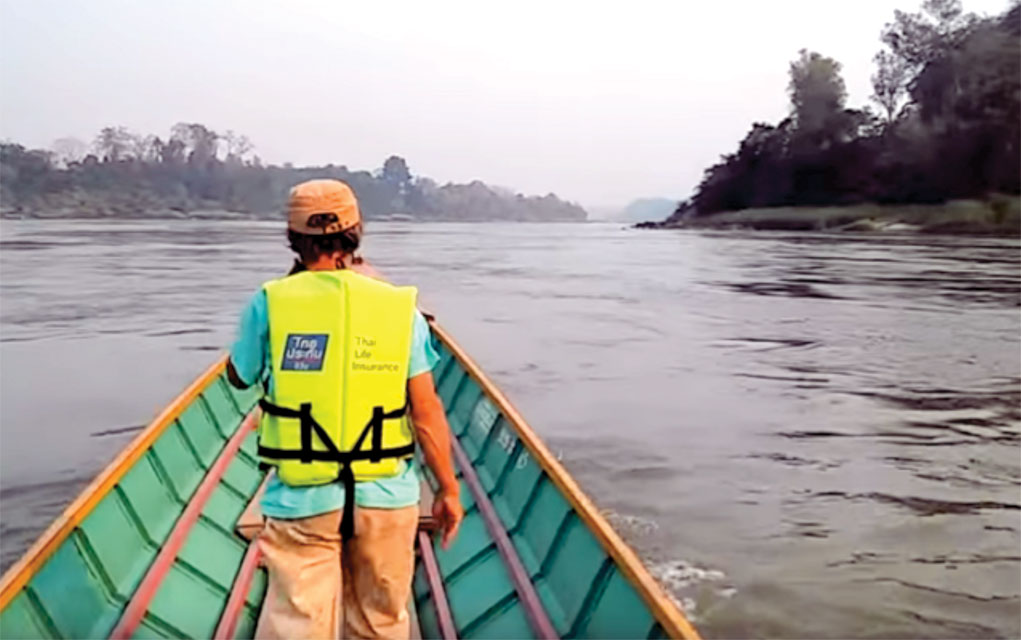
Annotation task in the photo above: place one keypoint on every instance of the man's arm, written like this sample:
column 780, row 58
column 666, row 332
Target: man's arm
column 433, row 435
column 248, row 353
column 233, row 377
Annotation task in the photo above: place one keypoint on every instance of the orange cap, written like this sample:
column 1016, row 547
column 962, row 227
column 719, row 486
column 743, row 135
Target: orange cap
column 321, row 207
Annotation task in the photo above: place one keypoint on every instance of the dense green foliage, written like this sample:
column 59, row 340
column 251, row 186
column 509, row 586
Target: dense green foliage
column 949, row 87
column 196, row 168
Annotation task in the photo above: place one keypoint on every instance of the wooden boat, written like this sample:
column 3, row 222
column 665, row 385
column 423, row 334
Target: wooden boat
column 151, row 548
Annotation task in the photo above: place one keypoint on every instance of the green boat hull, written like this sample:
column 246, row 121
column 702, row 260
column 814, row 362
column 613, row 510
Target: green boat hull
column 528, row 554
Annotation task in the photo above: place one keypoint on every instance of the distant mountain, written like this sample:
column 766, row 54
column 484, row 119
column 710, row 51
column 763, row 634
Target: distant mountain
column 647, row 210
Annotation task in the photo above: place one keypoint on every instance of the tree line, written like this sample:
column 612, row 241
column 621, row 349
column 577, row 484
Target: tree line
column 947, row 88
column 123, row 174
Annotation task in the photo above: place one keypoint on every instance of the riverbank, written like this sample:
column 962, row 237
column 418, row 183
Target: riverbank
column 129, row 204
column 998, row 216
column 141, row 204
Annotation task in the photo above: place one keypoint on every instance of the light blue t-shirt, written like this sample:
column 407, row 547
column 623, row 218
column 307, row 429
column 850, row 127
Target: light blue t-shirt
column 250, row 356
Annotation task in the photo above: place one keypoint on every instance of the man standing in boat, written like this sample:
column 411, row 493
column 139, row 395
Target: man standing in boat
column 345, row 362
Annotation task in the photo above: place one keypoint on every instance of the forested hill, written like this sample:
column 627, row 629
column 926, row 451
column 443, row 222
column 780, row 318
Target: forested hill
column 196, row 169
column 946, row 123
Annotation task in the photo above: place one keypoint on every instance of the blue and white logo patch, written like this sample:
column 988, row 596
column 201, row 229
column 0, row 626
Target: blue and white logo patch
column 304, row 352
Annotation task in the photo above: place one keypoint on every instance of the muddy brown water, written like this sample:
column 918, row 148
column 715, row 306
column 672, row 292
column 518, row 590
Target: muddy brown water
column 804, row 435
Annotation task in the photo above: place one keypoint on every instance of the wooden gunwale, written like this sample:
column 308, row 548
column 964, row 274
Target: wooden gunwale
column 22, row 571
column 663, row 609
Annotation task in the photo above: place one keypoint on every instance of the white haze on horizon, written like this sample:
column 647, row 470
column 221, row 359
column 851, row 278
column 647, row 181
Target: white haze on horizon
column 600, row 103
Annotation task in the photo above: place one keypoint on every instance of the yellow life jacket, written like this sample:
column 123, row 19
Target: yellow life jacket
column 339, row 344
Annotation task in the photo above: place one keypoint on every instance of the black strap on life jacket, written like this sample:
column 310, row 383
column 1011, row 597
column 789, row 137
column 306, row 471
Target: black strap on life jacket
column 332, row 453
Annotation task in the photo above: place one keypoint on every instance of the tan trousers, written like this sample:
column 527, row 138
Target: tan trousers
column 316, row 588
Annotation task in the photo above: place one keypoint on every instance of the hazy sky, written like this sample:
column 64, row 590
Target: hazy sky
column 599, row 102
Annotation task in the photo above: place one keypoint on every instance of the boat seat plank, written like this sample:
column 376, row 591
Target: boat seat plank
column 250, row 521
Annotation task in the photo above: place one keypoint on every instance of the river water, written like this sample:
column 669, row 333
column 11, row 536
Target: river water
column 803, row 435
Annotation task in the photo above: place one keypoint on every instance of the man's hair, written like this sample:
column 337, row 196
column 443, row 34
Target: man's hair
column 310, row 247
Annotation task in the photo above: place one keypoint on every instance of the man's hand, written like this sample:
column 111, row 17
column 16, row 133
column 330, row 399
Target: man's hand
column 449, row 513
column 433, row 435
